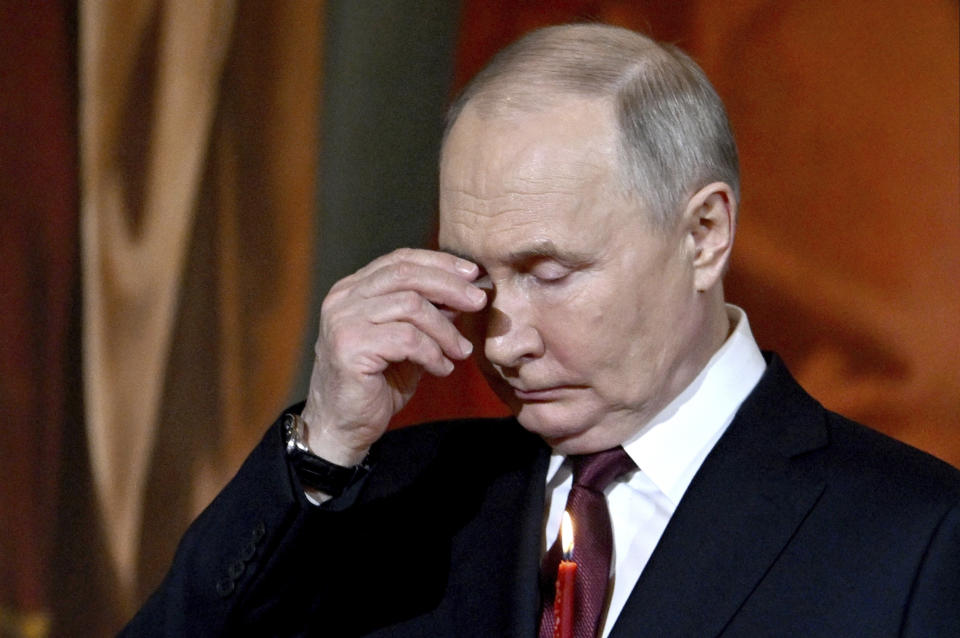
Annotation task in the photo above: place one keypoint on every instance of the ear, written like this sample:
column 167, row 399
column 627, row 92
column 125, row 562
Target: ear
column 710, row 217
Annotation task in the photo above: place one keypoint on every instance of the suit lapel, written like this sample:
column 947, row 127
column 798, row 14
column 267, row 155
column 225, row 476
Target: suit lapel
column 740, row 511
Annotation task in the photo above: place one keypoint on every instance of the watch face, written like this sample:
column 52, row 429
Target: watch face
column 291, row 435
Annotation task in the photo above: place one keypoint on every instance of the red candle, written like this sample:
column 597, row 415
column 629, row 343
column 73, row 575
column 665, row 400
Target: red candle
column 563, row 603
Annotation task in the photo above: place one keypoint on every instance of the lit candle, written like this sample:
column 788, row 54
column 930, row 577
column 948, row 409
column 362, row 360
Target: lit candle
column 566, row 575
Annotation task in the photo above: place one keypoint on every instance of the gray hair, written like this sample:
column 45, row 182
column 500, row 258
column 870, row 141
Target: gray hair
column 674, row 134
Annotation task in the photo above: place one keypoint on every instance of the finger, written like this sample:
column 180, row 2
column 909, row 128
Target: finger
column 428, row 258
column 450, row 314
column 401, row 341
column 437, row 285
column 412, row 307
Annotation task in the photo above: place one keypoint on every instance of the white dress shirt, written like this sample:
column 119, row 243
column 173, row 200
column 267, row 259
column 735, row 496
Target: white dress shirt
column 668, row 452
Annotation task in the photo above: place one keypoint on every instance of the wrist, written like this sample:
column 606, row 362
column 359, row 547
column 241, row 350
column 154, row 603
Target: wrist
column 315, row 471
column 326, row 443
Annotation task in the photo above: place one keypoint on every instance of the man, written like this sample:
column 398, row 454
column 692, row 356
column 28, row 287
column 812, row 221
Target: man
column 588, row 192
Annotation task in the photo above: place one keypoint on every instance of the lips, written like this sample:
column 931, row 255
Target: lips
column 551, row 393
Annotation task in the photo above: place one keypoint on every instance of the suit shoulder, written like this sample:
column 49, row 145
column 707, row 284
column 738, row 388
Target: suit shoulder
column 876, row 458
column 863, row 461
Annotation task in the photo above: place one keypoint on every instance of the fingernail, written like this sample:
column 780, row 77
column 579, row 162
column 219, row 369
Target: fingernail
column 448, row 366
column 465, row 346
column 477, row 295
column 465, row 267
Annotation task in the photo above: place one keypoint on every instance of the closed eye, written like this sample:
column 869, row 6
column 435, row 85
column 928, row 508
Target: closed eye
column 549, row 271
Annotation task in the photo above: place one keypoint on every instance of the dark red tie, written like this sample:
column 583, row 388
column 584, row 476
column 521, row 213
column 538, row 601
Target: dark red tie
column 592, row 542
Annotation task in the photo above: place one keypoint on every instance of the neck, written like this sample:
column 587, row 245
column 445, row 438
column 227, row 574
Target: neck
column 711, row 329
column 714, row 327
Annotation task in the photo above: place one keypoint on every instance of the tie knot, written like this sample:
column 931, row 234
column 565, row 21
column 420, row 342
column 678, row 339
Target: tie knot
column 596, row 471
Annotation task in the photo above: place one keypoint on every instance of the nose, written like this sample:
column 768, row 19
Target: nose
column 512, row 336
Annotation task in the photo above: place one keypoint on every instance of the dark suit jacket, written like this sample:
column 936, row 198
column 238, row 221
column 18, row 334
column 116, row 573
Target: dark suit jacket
column 799, row 523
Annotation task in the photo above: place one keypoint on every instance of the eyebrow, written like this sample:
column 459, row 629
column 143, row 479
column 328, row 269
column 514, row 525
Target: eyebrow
column 542, row 249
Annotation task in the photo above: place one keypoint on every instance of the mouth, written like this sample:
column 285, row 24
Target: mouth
column 542, row 395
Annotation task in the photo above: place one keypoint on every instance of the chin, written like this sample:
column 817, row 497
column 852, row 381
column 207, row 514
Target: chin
column 566, row 430
column 572, row 429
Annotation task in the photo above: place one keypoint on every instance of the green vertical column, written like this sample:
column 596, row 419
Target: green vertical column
column 387, row 74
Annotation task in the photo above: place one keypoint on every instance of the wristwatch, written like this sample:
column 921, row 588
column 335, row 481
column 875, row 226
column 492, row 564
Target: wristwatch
column 316, row 472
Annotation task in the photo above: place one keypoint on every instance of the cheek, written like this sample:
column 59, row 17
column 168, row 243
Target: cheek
column 609, row 334
column 580, row 336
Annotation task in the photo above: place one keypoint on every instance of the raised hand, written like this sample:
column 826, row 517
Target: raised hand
column 380, row 328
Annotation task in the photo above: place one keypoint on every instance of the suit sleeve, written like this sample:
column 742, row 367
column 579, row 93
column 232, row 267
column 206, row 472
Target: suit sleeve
column 222, row 557
column 934, row 608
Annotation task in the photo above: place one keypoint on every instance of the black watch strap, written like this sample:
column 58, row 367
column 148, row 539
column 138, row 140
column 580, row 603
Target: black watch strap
column 313, row 471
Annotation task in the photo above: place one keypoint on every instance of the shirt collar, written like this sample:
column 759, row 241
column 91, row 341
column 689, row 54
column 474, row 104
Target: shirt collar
column 673, row 445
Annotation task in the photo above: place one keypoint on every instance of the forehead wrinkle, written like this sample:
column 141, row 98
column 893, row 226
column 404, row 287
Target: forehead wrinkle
column 541, row 175
column 521, row 205
column 517, row 186
column 529, row 171
column 467, row 215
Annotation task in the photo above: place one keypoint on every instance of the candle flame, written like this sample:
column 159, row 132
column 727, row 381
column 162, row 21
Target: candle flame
column 566, row 535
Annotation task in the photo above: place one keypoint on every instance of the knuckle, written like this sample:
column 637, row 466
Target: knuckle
column 340, row 286
column 410, row 302
column 408, row 336
column 403, row 271
column 336, row 294
column 404, row 253
column 328, row 303
column 436, row 353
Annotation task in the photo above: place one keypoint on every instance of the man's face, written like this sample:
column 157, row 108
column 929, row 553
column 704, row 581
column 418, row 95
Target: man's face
column 593, row 322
